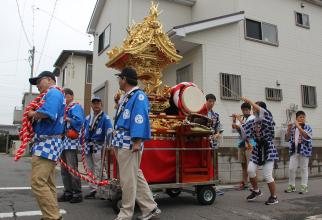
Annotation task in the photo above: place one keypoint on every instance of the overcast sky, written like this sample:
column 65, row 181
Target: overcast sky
column 66, row 32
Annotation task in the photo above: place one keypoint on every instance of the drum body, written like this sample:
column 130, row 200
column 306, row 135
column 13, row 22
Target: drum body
column 200, row 120
column 187, row 97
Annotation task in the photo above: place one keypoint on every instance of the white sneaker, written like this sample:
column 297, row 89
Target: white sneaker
column 155, row 213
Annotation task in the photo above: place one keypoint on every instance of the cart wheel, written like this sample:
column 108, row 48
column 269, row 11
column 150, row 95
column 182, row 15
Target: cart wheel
column 117, row 203
column 206, row 195
column 173, row 193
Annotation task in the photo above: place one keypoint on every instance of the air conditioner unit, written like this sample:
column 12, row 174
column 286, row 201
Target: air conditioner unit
column 293, row 107
column 283, row 141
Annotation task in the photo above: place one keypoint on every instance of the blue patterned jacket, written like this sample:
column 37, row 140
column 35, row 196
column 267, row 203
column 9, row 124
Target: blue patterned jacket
column 261, row 128
column 306, row 143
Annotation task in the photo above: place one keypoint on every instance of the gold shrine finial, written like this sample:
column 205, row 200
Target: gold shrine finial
column 147, row 49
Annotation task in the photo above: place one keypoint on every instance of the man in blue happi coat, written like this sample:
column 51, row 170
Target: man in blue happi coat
column 48, row 125
column 131, row 129
column 74, row 119
column 98, row 130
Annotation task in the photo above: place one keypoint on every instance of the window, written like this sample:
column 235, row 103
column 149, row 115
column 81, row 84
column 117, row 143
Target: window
column 302, row 20
column 273, row 94
column 104, row 39
column 184, row 74
column 89, row 73
column 308, row 96
column 64, row 77
column 102, row 92
column 261, row 31
column 230, row 86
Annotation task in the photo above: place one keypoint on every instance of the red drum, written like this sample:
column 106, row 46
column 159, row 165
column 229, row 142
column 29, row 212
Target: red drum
column 188, row 97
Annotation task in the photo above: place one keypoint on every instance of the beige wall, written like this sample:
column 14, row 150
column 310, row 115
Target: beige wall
column 172, row 14
column 116, row 13
column 297, row 60
column 193, row 57
column 204, row 9
column 75, row 76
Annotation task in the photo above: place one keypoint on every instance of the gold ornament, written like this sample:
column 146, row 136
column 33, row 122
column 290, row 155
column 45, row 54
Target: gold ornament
column 148, row 50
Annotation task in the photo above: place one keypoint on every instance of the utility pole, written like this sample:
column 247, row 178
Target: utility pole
column 31, row 61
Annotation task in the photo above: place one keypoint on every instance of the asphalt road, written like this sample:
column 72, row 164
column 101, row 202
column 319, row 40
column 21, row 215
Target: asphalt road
column 232, row 205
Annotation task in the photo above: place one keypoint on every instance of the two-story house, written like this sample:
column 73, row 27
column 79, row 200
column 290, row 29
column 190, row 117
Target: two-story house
column 73, row 69
column 268, row 50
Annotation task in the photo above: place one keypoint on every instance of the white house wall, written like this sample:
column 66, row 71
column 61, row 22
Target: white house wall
column 115, row 12
column 194, row 58
column 296, row 61
column 75, row 76
column 220, row 54
column 172, row 14
column 205, row 9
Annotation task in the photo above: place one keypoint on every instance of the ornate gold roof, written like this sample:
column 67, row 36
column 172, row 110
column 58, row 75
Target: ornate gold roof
column 147, row 49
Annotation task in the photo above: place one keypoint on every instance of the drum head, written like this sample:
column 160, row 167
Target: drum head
column 175, row 91
column 192, row 99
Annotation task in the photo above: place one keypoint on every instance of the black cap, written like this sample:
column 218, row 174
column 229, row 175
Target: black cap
column 128, row 73
column 33, row 81
column 96, row 98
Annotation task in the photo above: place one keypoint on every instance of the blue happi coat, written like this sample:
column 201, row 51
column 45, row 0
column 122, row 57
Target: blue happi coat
column 100, row 136
column 261, row 128
column 132, row 120
column 77, row 118
column 216, row 126
column 47, row 142
column 305, row 146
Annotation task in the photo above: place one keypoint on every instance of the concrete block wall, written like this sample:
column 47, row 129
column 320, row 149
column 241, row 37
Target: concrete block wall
column 229, row 168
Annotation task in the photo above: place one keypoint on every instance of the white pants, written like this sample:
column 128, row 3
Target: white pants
column 135, row 189
column 267, row 170
column 295, row 159
column 94, row 163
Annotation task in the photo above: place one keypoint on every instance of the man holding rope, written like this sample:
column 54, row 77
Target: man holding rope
column 48, row 126
column 74, row 119
column 132, row 128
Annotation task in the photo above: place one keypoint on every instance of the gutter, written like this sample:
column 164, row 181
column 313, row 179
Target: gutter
column 184, row 2
column 315, row 2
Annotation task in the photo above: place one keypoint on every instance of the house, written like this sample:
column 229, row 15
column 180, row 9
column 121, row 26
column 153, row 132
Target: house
column 8, row 133
column 267, row 50
column 18, row 111
column 73, row 69
column 108, row 25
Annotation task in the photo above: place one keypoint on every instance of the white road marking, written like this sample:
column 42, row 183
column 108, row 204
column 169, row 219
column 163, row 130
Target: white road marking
column 26, row 213
column 316, row 217
column 29, row 188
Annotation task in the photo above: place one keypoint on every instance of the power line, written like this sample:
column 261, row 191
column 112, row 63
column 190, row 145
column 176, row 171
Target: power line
column 46, row 55
column 33, row 23
column 11, row 61
column 46, row 36
column 22, row 25
column 62, row 22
